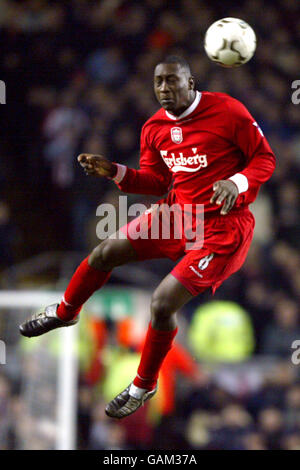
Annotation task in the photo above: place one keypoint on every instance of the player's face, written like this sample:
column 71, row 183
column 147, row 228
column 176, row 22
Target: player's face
column 173, row 87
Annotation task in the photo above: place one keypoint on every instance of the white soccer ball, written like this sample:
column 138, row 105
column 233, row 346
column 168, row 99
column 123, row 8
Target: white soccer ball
column 230, row 42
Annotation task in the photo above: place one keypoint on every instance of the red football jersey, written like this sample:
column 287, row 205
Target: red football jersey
column 214, row 139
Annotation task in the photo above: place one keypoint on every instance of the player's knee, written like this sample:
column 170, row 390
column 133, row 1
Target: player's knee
column 161, row 308
column 102, row 257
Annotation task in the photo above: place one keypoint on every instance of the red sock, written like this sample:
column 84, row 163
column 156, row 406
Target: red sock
column 85, row 281
column 155, row 349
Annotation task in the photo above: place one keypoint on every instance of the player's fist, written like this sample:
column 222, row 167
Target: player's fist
column 226, row 193
column 97, row 165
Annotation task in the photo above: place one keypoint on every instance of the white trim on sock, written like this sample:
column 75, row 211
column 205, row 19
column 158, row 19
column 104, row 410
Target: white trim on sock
column 137, row 392
column 65, row 302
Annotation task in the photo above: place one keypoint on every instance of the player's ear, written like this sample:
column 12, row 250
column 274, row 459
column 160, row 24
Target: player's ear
column 191, row 83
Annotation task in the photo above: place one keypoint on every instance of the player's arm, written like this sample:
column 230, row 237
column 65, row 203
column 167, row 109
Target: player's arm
column 147, row 180
column 153, row 177
column 259, row 160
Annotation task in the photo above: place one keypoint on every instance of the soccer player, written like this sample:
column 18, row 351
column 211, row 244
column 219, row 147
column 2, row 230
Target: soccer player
column 212, row 150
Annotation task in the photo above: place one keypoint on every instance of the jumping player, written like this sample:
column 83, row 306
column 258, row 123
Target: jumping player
column 212, row 150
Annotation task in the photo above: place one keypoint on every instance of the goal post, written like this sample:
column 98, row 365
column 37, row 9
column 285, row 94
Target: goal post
column 49, row 388
column 67, row 390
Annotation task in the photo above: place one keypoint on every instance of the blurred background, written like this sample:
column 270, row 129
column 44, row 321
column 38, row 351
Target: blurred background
column 79, row 78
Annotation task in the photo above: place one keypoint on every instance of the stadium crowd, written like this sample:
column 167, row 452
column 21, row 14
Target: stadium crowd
column 210, row 416
column 79, row 78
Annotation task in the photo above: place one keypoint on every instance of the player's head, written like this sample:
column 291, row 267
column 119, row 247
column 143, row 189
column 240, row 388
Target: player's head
column 174, row 84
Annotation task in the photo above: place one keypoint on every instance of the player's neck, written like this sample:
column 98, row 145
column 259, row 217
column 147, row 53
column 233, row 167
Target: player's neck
column 178, row 112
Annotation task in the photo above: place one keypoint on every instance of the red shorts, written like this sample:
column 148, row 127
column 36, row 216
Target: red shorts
column 225, row 244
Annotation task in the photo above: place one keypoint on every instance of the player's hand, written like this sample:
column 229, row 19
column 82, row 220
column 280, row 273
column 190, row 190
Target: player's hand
column 226, row 193
column 97, row 165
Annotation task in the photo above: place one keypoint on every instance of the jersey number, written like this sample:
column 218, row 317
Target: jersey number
column 204, row 262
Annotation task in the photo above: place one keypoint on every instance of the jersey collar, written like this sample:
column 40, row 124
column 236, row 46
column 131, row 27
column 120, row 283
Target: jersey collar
column 189, row 110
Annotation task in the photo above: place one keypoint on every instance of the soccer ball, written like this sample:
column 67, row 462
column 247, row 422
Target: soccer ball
column 230, row 42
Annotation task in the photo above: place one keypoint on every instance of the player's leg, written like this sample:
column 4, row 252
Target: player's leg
column 94, row 272
column 91, row 275
column 197, row 271
column 167, row 299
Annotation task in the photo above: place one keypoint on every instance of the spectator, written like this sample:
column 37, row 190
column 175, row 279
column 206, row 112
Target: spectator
column 86, row 70
column 271, row 425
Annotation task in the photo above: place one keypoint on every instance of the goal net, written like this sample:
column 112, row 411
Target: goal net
column 39, row 376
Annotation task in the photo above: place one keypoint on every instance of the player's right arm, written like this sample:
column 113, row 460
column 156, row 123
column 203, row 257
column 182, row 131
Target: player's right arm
column 153, row 177
column 97, row 165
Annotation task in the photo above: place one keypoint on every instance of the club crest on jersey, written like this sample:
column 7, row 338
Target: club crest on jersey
column 176, row 135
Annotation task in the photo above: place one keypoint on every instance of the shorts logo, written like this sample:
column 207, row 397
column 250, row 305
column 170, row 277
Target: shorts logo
column 195, row 271
column 176, row 135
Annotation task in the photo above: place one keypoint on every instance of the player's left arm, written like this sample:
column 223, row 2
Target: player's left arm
column 259, row 159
